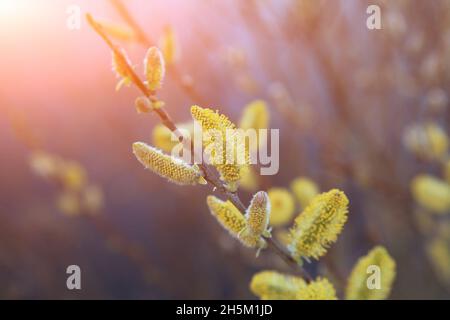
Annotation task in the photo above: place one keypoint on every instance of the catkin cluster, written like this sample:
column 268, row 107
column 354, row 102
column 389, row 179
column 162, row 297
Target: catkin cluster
column 77, row 195
column 250, row 229
column 323, row 214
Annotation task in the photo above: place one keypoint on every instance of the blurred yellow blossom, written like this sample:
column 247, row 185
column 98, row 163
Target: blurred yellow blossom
column 272, row 285
column 283, row 206
column 68, row 203
column 431, row 193
column 427, row 140
column 169, row 46
column 320, row 289
column 438, row 251
column 357, row 287
column 304, row 190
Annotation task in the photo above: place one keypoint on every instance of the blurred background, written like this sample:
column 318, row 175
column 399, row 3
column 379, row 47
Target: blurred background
column 366, row 111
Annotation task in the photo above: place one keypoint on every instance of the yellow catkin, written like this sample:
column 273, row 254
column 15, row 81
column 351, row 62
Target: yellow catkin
column 171, row 168
column 283, row 206
column 318, row 225
column 120, row 65
column 165, row 140
column 213, row 121
column 431, row 193
column 232, row 220
column 438, row 251
column 304, row 190
column 427, row 141
column 357, row 287
column 154, row 68
column 320, row 289
column 258, row 215
column 272, row 285
column 169, row 46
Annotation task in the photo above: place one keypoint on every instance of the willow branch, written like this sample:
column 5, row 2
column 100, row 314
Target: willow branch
column 145, row 40
column 210, row 175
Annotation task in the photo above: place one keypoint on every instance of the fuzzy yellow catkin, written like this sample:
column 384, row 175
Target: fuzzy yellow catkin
column 232, row 220
column 304, row 190
column 283, row 206
column 272, row 285
column 438, row 251
column 169, row 46
column 357, row 286
column 318, row 225
column 166, row 166
column 154, row 68
column 431, row 193
column 426, row 140
column 319, row 289
column 212, row 120
column 258, row 215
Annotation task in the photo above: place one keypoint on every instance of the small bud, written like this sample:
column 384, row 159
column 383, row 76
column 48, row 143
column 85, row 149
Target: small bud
column 154, row 68
column 143, row 104
column 258, row 214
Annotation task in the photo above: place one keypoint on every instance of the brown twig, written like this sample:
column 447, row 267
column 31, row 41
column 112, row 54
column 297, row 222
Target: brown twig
column 145, row 40
column 209, row 174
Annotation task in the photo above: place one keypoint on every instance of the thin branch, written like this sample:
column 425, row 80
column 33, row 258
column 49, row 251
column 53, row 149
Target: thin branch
column 145, row 40
column 209, row 174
